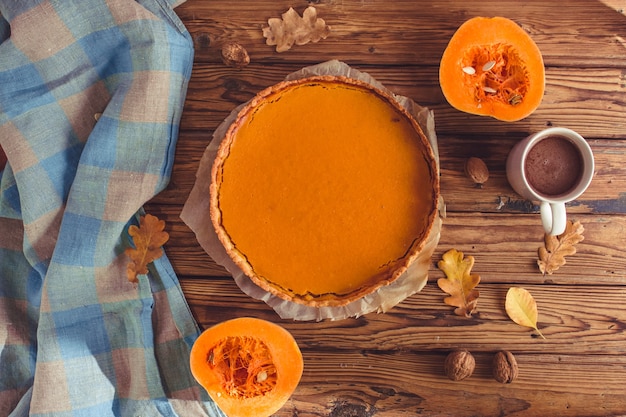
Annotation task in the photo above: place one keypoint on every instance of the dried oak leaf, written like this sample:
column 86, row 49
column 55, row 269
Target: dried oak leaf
column 293, row 29
column 148, row 238
column 556, row 248
column 460, row 283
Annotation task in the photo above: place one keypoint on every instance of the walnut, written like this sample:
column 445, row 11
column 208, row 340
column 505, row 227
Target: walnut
column 235, row 55
column 477, row 171
column 459, row 364
column 505, row 369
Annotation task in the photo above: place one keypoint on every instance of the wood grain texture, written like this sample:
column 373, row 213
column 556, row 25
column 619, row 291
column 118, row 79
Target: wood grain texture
column 405, row 32
column 548, row 385
column 589, row 100
column 391, row 364
column 566, row 313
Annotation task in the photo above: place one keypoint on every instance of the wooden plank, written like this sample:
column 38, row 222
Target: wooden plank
column 367, row 31
column 367, row 384
column 574, row 320
column 505, row 249
column 606, row 194
column 591, row 101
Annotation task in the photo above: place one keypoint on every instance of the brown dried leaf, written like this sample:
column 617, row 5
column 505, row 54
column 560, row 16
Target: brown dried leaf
column 295, row 29
column 460, row 283
column 148, row 238
column 556, row 248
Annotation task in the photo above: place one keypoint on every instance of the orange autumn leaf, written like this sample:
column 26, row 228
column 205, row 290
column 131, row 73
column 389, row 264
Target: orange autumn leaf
column 148, row 238
column 556, row 248
column 460, row 282
column 521, row 307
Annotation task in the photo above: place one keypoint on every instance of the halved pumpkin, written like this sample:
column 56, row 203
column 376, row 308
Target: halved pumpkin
column 250, row 367
column 492, row 67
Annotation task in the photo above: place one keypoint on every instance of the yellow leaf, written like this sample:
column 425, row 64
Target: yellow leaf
column 460, row 283
column 522, row 308
column 148, row 238
column 556, row 248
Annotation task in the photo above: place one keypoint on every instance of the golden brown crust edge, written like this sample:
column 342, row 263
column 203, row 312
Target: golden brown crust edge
column 317, row 300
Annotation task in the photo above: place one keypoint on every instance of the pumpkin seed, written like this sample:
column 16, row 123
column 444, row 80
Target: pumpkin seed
column 515, row 99
column 489, row 65
column 261, row 376
column 469, row 70
column 489, row 90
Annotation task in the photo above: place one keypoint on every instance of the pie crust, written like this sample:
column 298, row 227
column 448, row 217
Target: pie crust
column 323, row 190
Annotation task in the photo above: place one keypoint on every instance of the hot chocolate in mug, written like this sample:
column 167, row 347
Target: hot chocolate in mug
column 554, row 167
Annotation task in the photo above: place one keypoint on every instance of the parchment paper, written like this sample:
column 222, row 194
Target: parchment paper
column 195, row 214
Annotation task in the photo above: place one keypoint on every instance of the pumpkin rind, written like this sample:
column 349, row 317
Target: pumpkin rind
column 255, row 341
column 492, row 67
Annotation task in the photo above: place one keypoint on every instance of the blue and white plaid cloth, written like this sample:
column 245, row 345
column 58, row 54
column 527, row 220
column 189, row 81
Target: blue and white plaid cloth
column 91, row 94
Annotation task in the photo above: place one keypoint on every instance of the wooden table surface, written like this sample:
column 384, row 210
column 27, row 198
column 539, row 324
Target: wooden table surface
column 392, row 364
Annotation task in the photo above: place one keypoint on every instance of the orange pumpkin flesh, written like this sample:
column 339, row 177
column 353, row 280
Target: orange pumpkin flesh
column 250, row 367
column 492, row 67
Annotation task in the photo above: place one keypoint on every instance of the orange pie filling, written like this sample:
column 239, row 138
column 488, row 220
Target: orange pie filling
column 323, row 190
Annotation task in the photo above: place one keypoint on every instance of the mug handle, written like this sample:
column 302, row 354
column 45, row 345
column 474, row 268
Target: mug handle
column 553, row 217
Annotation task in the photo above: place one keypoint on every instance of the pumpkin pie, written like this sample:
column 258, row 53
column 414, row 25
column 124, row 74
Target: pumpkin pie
column 323, row 190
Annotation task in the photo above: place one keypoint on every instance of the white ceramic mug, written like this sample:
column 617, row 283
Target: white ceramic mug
column 552, row 205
